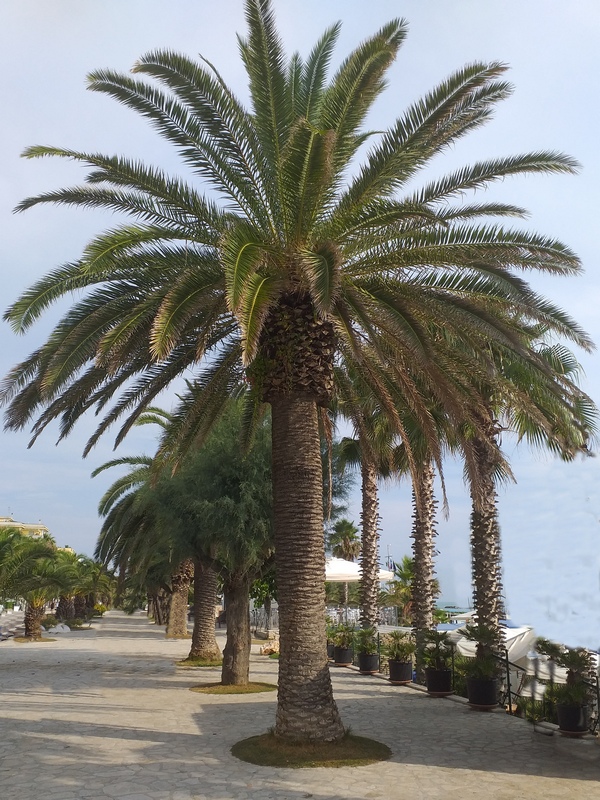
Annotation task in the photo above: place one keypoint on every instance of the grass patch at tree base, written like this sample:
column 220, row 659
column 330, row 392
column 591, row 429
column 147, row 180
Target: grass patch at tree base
column 176, row 636
column 350, row 751
column 220, row 688
column 189, row 663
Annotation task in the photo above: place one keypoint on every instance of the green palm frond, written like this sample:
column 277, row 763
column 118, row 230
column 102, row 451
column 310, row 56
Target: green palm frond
column 356, row 85
column 314, row 72
column 481, row 174
column 263, row 57
column 260, row 293
column 244, row 252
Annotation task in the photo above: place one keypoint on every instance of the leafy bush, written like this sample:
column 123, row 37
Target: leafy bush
column 344, row 636
column 365, row 641
column 398, row 646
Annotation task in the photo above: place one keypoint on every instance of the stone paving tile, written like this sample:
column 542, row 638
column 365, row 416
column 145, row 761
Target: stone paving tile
column 107, row 716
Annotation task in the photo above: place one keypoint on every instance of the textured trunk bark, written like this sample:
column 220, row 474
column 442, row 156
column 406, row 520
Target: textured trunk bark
column 306, row 709
column 485, row 542
column 236, row 654
column 178, row 606
column 178, row 609
column 34, row 615
column 154, row 611
column 369, row 552
column 65, row 609
column 204, row 641
column 160, row 602
column 423, row 536
column 80, row 606
column 268, row 614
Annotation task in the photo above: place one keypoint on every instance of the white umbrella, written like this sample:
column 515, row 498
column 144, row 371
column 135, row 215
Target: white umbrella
column 342, row 571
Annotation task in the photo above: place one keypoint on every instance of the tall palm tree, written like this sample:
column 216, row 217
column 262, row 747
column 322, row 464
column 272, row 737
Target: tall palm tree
column 372, row 457
column 309, row 258
column 546, row 409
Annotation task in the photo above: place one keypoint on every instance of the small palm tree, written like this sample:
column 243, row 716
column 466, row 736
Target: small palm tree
column 343, row 541
column 32, row 569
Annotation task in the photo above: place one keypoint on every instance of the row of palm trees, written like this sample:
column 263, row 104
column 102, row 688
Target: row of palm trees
column 35, row 571
column 303, row 280
column 208, row 523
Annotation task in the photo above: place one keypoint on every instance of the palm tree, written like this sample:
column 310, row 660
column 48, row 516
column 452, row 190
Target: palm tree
column 343, row 542
column 546, row 409
column 219, row 504
column 32, row 569
column 400, row 589
column 145, row 551
column 372, row 458
column 216, row 510
column 308, row 259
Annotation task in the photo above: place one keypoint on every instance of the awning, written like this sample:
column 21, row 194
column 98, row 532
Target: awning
column 342, row 571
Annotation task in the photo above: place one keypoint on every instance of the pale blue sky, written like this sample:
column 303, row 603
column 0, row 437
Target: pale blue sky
column 551, row 518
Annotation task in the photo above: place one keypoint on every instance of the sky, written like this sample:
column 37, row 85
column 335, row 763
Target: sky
column 550, row 518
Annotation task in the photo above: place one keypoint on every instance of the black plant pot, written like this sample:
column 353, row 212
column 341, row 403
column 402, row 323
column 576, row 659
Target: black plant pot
column 368, row 663
column 343, row 656
column 572, row 719
column 438, row 681
column 482, row 693
column 330, row 651
column 401, row 672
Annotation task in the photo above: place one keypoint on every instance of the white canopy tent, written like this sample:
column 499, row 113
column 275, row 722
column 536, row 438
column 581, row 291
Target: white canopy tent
column 341, row 571
column 518, row 642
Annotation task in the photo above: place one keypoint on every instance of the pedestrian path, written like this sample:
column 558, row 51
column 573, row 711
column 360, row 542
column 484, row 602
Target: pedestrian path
column 106, row 714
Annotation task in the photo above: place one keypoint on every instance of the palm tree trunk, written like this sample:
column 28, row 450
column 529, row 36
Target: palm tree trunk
column 34, row 615
column 80, row 606
column 204, row 641
column 178, row 607
column 160, row 607
column 154, row 608
column 423, row 536
column 236, row 654
column 65, row 610
column 369, row 552
column 485, row 541
column 306, row 709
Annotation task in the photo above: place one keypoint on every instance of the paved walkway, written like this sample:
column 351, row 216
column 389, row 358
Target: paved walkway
column 105, row 714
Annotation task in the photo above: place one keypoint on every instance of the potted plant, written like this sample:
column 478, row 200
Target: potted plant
column 399, row 648
column 343, row 640
column 366, row 646
column 330, row 630
column 570, row 699
column 437, row 655
column 482, row 671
